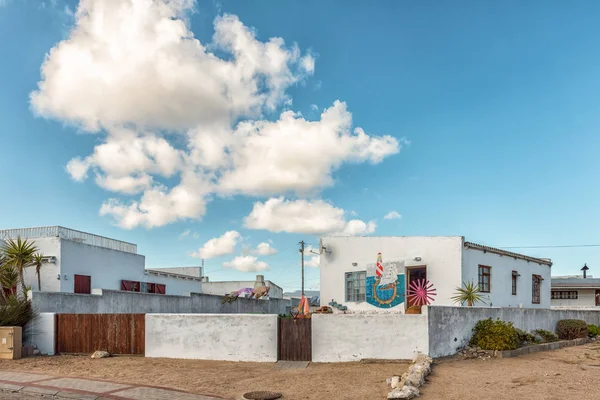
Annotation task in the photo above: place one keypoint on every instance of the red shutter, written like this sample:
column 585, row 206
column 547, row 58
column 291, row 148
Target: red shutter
column 83, row 284
column 161, row 289
column 126, row 285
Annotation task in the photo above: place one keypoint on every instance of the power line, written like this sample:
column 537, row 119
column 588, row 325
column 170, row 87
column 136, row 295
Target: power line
column 550, row 246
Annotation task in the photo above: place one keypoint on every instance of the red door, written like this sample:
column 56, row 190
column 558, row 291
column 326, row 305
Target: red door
column 83, row 284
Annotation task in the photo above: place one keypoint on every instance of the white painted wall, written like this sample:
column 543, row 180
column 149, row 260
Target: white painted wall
column 48, row 247
column 106, row 267
column 585, row 298
column 501, row 280
column 441, row 254
column 221, row 288
column 354, row 337
column 40, row 333
column 176, row 286
column 230, row 337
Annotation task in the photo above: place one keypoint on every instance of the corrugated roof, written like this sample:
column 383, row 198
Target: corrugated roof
column 501, row 252
column 575, row 283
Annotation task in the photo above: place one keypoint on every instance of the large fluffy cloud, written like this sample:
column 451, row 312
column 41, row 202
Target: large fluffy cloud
column 246, row 264
column 223, row 245
column 313, row 217
column 182, row 121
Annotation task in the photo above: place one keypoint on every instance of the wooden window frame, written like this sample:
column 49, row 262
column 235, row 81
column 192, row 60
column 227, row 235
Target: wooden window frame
column 483, row 271
column 515, row 275
column 359, row 278
column 564, row 294
column 130, row 286
column 536, row 289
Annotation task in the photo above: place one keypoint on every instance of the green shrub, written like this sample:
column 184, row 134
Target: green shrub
column 592, row 330
column 546, row 336
column 569, row 329
column 526, row 337
column 495, row 335
column 16, row 312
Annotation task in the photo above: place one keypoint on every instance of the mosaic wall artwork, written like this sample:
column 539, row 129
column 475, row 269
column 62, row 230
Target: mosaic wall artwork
column 385, row 283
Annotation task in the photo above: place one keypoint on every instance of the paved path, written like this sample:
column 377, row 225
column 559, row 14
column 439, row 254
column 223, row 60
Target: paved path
column 25, row 384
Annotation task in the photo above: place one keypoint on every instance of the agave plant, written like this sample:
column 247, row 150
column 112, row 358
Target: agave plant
column 9, row 279
column 470, row 293
column 19, row 254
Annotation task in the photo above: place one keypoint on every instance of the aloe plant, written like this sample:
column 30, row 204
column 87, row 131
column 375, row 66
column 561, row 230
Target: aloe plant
column 470, row 293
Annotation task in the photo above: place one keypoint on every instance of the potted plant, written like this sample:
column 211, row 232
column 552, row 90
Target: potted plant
column 470, row 293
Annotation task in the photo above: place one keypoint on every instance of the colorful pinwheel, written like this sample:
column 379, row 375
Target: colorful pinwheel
column 420, row 292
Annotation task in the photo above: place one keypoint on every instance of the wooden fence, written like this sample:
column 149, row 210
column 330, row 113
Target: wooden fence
column 294, row 339
column 86, row 333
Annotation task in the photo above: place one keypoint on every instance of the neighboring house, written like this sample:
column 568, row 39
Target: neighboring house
column 576, row 291
column 77, row 262
column 226, row 287
column 350, row 272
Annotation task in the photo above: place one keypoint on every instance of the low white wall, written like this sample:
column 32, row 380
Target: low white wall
column 40, row 333
column 229, row 337
column 451, row 327
column 353, row 337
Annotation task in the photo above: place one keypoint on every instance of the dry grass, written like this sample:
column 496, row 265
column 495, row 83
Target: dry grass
column 348, row 381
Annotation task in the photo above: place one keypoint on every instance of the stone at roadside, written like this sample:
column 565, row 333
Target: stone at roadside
column 406, row 392
column 100, row 354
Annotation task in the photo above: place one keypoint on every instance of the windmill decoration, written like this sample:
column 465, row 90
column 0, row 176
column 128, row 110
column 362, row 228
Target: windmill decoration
column 421, row 292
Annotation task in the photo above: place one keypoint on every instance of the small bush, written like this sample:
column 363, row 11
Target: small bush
column 569, row 329
column 16, row 312
column 592, row 331
column 526, row 337
column 495, row 335
column 546, row 336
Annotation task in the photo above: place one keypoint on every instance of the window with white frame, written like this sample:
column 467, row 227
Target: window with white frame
column 355, row 286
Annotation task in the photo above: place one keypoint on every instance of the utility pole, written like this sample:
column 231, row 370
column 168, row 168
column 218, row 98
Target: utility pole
column 302, row 257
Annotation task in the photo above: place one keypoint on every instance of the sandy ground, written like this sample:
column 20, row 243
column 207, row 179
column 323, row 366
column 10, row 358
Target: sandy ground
column 348, row 381
column 570, row 373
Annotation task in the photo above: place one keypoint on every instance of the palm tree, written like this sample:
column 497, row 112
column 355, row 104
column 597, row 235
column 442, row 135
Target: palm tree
column 38, row 258
column 469, row 293
column 19, row 254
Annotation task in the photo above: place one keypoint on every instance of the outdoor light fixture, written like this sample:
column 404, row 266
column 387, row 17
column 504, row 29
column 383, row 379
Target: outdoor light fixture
column 65, row 276
column 58, row 277
column 354, row 264
column 417, row 258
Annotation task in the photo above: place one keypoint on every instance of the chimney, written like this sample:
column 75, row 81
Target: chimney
column 584, row 269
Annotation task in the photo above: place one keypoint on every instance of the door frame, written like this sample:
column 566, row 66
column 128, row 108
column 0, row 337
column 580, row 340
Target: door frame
column 407, row 281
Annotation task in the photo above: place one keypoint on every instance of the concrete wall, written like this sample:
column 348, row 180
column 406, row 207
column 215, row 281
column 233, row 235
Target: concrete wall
column 451, row 327
column 441, row 255
column 585, row 298
column 40, row 333
column 212, row 337
column 501, row 279
column 114, row 301
column 345, row 338
column 221, row 288
column 189, row 271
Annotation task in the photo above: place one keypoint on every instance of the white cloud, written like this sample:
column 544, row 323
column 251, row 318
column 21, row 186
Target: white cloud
column 184, row 234
column 314, row 217
column 311, row 259
column 314, row 107
column 392, row 215
column 220, row 246
column 265, row 249
column 246, row 264
column 170, row 107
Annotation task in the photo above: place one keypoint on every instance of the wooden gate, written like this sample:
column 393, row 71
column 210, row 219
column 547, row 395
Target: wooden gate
column 294, row 338
column 86, row 333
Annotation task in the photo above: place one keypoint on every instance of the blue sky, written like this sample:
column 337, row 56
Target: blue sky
column 490, row 108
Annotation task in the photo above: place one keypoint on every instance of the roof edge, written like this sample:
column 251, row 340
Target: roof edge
column 475, row 246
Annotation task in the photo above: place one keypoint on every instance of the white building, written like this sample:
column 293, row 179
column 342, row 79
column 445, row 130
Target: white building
column 76, row 262
column 349, row 272
column 579, row 291
column 222, row 288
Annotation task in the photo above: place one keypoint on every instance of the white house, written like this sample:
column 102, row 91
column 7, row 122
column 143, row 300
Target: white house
column 76, row 262
column 222, row 288
column 351, row 272
column 579, row 291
